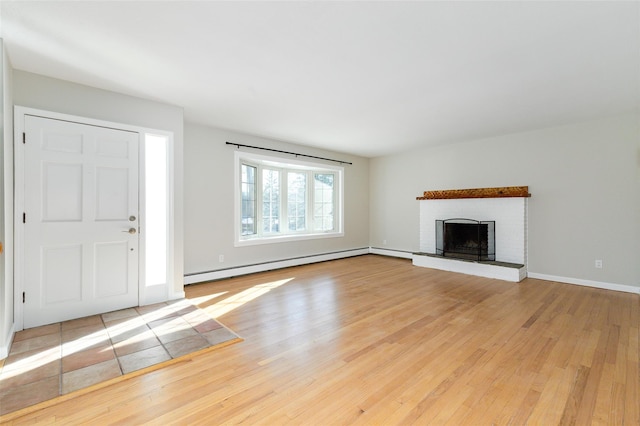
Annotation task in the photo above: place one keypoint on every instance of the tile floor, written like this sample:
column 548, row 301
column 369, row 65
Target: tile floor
column 56, row 359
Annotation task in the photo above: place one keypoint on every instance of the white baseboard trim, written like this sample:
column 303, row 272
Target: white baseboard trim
column 586, row 283
column 4, row 349
column 267, row 266
column 390, row 252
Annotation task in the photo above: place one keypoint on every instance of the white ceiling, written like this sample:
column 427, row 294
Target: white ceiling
column 368, row 78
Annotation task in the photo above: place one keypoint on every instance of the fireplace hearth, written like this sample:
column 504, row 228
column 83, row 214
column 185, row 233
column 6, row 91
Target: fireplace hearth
column 466, row 239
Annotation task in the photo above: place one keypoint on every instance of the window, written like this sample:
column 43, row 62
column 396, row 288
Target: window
column 323, row 201
column 156, row 209
column 248, row 185
column 270, row 201
column 280, row 200
column 297, row 201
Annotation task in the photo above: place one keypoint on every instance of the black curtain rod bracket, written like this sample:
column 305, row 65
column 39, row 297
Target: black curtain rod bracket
column 239, row 145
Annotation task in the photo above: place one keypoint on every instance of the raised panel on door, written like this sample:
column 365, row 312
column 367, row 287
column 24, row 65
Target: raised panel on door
column 61, row 274
column 61, row 192
column 112, row 147
column 56, row 141
column 81, row 189
column 112, row 196
column 111, row 268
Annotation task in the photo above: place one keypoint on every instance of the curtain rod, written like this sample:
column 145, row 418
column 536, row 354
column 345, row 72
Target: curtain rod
column 288, row 152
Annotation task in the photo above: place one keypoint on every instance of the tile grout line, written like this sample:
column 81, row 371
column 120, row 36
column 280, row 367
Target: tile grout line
column 113, row 349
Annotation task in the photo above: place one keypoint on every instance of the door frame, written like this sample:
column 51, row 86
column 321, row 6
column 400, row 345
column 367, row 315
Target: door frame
column 146, row 294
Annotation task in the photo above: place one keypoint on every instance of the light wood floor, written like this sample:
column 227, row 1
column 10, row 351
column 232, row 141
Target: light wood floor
column 374, row 340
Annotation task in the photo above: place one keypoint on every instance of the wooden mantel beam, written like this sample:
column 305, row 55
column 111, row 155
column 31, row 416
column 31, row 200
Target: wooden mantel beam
column 500, row 192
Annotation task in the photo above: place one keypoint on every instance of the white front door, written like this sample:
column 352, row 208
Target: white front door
column 80, row 221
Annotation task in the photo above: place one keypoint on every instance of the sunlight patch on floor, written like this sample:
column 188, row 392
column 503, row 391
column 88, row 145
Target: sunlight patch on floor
column 237, row 300
column 111, row 332
column 203, row 299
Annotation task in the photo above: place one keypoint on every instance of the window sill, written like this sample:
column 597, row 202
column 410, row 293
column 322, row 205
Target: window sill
column 285, row 238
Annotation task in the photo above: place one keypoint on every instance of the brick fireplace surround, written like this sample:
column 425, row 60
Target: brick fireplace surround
column 507, row 206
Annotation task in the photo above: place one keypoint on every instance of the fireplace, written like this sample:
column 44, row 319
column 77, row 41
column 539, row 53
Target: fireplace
column 466, row 239
column 495, row 243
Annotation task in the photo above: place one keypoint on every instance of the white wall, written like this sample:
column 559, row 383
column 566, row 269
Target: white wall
column 584, row 180
column 36, row 91
column 209, row 201
column 6, row 208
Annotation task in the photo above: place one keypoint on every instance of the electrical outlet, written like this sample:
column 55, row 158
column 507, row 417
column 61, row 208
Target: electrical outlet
column 599, row 263
column 384, row 242
column 221, row 258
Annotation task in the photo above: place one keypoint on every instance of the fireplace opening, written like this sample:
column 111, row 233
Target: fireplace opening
column 466, row 239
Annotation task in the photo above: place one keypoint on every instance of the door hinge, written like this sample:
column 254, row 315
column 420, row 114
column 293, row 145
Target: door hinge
column 24, row 137
column 23, row 297
column 24, row 218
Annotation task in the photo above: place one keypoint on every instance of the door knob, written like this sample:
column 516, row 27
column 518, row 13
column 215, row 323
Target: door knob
column 131, row 231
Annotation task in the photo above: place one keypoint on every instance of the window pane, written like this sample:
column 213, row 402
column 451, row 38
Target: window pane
column 296, row 199
column 323, row 202
column 270, row 200
column 248, row 187
column 156, row 206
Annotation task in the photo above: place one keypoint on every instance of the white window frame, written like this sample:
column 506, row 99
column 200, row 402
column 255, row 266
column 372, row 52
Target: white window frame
column 283, row 165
